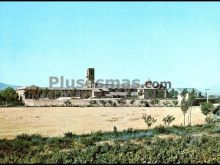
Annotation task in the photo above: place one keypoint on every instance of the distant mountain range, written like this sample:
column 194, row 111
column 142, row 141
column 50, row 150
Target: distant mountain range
column 3, row 86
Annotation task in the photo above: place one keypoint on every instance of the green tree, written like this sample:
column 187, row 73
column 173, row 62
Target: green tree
column 9, row 96
column 184, row 92
column 191, row 100
column 184, row 108
column 207, row 108
column 173, row 94
column 175, row 102
column 140, row 92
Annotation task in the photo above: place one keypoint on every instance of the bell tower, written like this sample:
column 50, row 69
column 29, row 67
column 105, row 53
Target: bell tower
column 90, row 78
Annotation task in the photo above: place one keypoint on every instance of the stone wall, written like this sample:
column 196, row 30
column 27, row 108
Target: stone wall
column 87, row 102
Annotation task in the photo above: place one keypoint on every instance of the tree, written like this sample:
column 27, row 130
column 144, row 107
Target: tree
column 160, row 94
column 175, row 103
column 149, row 120
column 129, row 93
column 184, row 92
column 207, row 108
column 103, row 102
column 40, row 92
column 44, row 93
column 200, row 94
column 121, row 102
column 1, row 98
column 173, row 94
column 191, row 100
column 51, row 94
column 110, row 102
column 57, row 94
column 73, row 93
column 140, row 93
column 184, row 108
column 168, row 119
column 9, row 95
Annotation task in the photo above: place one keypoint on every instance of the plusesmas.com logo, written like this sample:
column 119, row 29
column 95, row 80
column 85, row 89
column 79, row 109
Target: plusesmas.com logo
column 61, row 82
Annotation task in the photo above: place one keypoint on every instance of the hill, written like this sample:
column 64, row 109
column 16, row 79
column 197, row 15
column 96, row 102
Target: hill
column 3, row 86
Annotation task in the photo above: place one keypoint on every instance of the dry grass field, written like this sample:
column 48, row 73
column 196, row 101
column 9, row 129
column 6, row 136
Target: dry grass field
column 55, row 121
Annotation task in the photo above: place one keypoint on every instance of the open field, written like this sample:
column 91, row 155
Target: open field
column 55, row 121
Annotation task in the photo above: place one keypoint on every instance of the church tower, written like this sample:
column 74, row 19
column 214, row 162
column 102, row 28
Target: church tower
column 90, row 78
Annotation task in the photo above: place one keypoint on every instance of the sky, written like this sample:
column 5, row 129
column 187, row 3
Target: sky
column 162, row 41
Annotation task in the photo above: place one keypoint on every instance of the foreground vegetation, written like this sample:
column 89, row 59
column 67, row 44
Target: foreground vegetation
column 176, row 144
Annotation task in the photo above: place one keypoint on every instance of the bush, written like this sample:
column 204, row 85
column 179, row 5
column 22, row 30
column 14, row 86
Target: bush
column 217, row 130
column 209, row 119
column 102, row 102
column 168, row 119
column 115, row 130
column 68, row 103
column 92, row 102
column 149, row 120
column 132, row 102
column 161, row 129
column 69, row 134
column 184, row 150
column 175, row 103
column 207, row 108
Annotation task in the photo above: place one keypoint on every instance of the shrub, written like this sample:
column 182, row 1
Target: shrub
column 207, row 108
column 69, row 134
column 87, row 141
column 132, row 102
column 146, row 104
column 168, row 119
column 149, row 120
column 92, row 102
column 161, row 129
column 217, row 130
column 209, row 119
column 115, row 129
column 110, row 102
column 175, row 103
column 67, row 103
column 121, row 102
column 103, row 102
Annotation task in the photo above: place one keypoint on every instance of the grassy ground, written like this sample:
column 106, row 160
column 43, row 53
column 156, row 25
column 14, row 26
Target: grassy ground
column 176, row 144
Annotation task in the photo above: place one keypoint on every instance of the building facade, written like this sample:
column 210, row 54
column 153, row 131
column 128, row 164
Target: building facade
column 91, row 90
